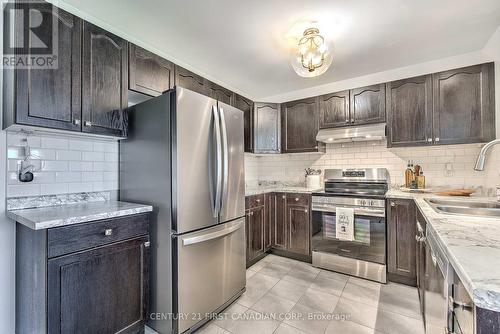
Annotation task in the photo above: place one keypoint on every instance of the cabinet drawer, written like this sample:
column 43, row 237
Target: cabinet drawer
column 254, row 201
column 298, row 199
column 74, row 238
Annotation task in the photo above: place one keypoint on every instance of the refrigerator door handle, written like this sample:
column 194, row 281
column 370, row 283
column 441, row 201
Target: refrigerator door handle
column 218, row 162
column 225, row 155
column 211, row 235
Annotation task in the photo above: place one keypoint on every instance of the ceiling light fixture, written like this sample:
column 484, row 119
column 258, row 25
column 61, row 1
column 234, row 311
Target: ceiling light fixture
column 312, row 56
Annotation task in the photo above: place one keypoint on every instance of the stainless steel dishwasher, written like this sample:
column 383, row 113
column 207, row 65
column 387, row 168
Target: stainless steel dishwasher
column 436, row 287
column 461, row 308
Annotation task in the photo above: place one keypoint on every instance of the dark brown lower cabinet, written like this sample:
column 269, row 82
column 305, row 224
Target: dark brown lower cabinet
column 401, row 243
column 103, row 290
column 280, row 225
column 270, row 216
column 83, row 278
column 298, row 224
column 255, row 227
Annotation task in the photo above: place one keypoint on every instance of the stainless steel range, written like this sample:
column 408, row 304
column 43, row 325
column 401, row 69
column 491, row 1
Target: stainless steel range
column 362, row 190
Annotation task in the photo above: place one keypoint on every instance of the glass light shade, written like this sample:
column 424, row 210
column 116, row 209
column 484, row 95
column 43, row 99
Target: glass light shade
column 312, row 56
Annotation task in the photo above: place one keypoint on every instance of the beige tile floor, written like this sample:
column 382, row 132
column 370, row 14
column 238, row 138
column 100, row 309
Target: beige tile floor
column 285, row 296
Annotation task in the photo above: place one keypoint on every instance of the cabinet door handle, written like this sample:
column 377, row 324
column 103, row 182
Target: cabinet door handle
column 429, row 140
column 147, row 244
column 393, row 204
column 108, row 232
column 306, row 211
column 352, row 120
column 77, row 122
column 347, row 120
column 296, row 199
column 258, row 200
column 87, row 123
column 436, row 139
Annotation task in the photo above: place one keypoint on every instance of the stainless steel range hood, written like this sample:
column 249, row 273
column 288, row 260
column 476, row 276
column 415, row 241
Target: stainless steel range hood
column 352, row 133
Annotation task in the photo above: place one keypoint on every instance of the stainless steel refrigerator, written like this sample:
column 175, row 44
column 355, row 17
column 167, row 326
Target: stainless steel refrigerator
column 185, row 156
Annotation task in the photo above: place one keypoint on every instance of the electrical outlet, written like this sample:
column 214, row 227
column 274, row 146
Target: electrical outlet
column 448, row 169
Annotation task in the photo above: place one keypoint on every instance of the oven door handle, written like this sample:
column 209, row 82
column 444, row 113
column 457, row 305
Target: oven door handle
column 357, row 211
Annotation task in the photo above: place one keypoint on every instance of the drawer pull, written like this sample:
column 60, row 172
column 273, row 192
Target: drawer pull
column 296, row 199
column 87, row 123
column 306, row 211
column 77, row 122
column 108, row 232
column 147, row 244
column 258, row 200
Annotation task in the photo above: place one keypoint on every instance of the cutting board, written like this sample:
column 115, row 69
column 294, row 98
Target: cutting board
column 456, row 192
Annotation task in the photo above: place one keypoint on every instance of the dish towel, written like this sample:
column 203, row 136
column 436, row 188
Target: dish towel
column 344, row 224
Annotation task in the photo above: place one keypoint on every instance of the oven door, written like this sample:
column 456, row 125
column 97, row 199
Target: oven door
column 369, row 237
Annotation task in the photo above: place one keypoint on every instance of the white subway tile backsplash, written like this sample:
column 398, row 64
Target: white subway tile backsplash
column 55, row 166
column 92, row 176
column 42, row 154
column 81, row 145
column 55, row 142
column 63, row 164
column 93, row 156
column 54, row 188
column 81, row 166
column 68, row 177
column 376, row 154
column 23, row 190
column 80, row 187
column 68, row 155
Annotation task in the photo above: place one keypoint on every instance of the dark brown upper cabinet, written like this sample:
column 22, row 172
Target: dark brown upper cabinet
column 401, row 243
column 47, row 97
column 220, row 93
column 104, row 81
column 148, row 73
column 464, row 105
column 409, row 111
column 266, row 128
column 367, row 105
column 246, row 105
column 334, row 110
column 191, row 81
column 299, row 126
column 451, row 107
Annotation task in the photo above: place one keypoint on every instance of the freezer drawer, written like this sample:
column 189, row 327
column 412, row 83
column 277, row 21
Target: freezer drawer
column 211, row 270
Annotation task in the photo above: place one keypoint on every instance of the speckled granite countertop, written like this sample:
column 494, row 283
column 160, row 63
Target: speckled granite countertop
column 68, row 214
column 472, row 245
column 278, row 188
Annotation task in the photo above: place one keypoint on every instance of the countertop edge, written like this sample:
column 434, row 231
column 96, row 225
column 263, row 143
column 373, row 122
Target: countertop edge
column 79, row 219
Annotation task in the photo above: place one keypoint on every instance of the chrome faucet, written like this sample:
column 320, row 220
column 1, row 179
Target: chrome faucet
column 481, row 158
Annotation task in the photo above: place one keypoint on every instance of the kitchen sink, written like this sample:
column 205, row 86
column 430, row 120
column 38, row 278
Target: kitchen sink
column 482, row 209
column 447, row 202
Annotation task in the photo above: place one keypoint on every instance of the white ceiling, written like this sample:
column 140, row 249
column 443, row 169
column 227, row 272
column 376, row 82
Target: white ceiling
column 245, row 44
